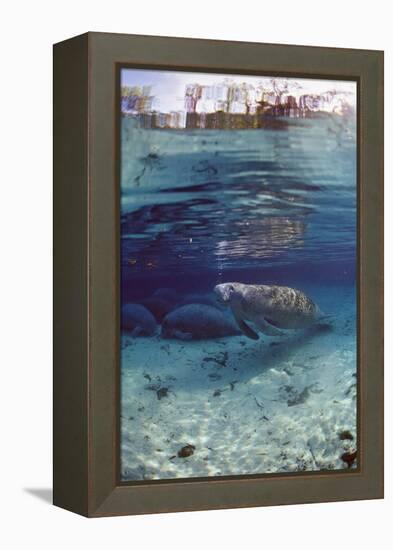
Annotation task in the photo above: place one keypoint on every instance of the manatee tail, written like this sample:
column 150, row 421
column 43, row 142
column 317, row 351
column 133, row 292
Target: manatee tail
column 321, row 315
column 324, row 322
column 325, row 318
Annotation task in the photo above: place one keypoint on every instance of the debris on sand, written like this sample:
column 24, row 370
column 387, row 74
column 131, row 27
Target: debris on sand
column 221, row 359
column 162, row 392
column 186, row 451
column 349, row 458
column 345, row 434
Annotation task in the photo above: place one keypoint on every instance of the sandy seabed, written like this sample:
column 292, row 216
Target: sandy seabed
column 281, row 404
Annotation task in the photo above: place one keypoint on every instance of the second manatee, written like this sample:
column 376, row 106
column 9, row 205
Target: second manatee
column 198, row 322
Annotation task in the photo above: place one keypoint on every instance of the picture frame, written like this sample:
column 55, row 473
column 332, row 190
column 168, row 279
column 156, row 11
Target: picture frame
column 87, row 274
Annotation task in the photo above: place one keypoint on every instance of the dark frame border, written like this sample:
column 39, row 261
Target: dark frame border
column 87, row 481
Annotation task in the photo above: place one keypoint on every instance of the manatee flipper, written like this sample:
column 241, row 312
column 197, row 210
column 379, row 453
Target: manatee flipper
column 267, row 328
column 245, row 328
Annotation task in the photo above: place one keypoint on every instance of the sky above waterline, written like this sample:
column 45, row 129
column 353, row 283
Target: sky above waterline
column 168, row 86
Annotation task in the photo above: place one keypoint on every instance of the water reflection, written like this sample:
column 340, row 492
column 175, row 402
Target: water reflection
column 193, row 200
column 270, row 237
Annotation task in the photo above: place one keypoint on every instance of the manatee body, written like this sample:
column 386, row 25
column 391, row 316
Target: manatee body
column 268, row 307
column 138, row 320
column 159, row 307
column 198, row 322
column 208, row 299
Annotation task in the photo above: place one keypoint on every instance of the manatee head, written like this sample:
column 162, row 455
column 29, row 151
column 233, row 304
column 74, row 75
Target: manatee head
column 229, row 293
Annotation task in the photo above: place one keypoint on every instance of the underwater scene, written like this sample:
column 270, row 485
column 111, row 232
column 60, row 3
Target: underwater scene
column 238, row 275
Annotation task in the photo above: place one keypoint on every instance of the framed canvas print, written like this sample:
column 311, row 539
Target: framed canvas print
column 218, row 274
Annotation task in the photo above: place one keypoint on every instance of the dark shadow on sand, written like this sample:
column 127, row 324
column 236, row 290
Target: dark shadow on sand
column 268, row 352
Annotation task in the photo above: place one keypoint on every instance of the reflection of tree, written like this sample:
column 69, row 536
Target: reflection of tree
column 247, row 95
column 136, row 99
column 232, row 104
column 280, row 87
column 192, row 95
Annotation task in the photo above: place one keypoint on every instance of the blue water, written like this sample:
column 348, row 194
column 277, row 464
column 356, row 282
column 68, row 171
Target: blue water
column 272, row 206
column 201, row 207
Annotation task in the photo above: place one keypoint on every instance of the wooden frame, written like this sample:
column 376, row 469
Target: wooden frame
column 86, row 274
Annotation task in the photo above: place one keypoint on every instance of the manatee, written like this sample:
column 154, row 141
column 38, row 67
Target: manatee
column 198, row 322
column 159, row 307
column 138, row 320
column 269, row 308
column 209, row 299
